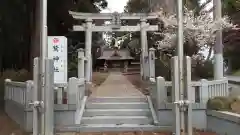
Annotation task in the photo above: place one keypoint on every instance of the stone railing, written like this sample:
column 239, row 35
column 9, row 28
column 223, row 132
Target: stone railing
column 21, row 92
column 161, row 91
column 161, row 96
column 18, row 92
column 67, row 100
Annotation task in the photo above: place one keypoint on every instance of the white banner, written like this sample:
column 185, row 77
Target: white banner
column 57, row 50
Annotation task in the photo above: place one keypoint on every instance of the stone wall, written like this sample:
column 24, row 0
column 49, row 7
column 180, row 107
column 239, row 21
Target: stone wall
column 223, row 123
column 63, row 114
column 167, row 116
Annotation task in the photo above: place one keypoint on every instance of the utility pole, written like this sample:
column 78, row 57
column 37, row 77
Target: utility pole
column 180, row 58
column 43, row 57
column 218, row 47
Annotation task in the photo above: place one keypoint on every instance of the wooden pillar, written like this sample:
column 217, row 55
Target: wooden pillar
column 88, row 48
column 144, row 48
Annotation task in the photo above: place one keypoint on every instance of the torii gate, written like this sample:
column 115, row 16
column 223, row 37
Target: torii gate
column 116, row 18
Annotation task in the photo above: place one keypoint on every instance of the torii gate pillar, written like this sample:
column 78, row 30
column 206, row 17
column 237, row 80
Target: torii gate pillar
column 144, row 48
column 88, row 48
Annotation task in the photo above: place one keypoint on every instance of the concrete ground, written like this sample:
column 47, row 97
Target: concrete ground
column 116, row 85
column 8, row 126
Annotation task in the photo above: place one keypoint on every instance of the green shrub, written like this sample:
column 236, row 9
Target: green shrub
column 72, row 69
column 220, row 103
column 215, row 104
column 236, row 73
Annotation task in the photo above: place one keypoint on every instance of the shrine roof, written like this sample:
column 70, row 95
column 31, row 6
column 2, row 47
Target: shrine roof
column 112, row 54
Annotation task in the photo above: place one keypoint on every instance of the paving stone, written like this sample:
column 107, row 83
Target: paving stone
column 116, row 85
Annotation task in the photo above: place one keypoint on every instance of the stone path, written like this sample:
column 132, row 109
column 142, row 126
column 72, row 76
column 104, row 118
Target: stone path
column 116, row 85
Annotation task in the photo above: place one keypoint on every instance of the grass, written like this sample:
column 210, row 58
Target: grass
column 236, row 73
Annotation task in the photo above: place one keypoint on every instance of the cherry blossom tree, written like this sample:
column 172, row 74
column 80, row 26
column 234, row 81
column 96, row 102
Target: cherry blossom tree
column 202, row 28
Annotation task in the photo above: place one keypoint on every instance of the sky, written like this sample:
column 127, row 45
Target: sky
column 115, row 5
column 118, row 5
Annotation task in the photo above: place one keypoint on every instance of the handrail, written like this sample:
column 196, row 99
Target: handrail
column 80, row 110
column 15, row 83
column 155, row 118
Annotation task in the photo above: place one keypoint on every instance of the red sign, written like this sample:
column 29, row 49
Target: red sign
column 55, row 40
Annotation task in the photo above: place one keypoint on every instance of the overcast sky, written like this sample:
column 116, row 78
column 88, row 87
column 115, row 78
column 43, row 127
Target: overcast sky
column 118, row 5
column 115, row 5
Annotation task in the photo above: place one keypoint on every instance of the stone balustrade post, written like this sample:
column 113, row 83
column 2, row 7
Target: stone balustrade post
column 81, row 62
column 204, row 91
column 72, row 91
column 88, row 49
column 152, row 62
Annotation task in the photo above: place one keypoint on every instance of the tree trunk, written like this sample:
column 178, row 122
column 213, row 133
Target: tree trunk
column 35, row 36
column 209, row 53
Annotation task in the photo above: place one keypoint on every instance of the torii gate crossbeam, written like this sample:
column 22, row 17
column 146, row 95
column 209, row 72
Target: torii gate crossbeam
column 108, row 16
column 121, row 29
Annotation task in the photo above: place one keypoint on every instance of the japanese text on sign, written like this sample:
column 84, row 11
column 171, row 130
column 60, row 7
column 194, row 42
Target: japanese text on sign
column 57, row 50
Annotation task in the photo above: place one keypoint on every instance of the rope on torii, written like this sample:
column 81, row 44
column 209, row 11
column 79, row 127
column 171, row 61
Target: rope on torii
column 119, row 38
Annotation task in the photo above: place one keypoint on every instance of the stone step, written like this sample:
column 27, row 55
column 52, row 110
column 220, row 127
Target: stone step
column 117, row 99
column 112, row 128
column 116, row 112
column 118, row 105
column 118, row 120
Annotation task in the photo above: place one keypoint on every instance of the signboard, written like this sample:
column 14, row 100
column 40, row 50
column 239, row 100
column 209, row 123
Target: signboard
column 57, row 50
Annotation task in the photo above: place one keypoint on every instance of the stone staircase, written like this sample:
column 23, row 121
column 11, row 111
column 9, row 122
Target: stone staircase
column 117, row 114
